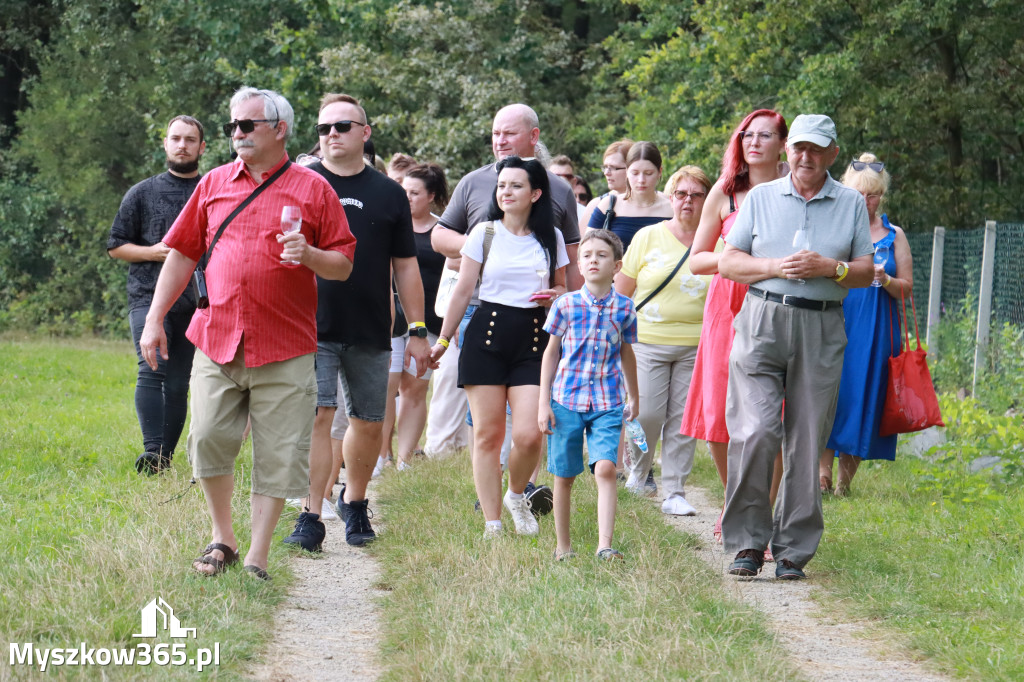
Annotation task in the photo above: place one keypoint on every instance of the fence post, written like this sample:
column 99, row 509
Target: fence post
column 935, row 289
column 984, row 301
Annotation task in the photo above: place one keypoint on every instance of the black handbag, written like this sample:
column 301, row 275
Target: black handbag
column 199, row 274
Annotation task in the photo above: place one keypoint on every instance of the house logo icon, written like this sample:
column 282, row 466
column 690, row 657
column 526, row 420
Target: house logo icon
column 158, row 614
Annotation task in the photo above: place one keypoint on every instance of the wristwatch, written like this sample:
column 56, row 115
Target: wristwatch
column 842, row 269
column 418, row 329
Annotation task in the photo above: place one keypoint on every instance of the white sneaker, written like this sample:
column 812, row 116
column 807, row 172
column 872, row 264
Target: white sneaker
column 378, row 469
column 525, row 522
column 492, row 532
column 635, row 484
column 678, row 506
column 402, row 466
column 327, row 512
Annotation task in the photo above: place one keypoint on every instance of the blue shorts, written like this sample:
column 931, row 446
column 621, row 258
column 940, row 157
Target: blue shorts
column 565, row 444
column 363, row 373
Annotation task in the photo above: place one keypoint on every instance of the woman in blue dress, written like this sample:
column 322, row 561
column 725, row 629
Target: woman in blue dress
column 869, row 312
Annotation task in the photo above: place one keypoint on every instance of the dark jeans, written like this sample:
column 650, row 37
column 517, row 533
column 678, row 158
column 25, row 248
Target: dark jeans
column 161, row 396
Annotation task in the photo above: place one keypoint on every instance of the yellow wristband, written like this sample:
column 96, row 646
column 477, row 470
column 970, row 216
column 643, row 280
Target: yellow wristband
column 888, row 280
column 443, row 341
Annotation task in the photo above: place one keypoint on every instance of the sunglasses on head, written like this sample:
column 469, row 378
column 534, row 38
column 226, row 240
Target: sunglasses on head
column 324, row 129
column 876, row 166
column 246, row 125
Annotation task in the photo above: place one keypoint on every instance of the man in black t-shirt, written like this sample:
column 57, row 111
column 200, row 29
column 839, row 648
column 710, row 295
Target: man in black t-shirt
column 354, row 320
column 147, row 211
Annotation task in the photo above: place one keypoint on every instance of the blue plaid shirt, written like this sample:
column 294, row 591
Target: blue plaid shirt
column 589, row 374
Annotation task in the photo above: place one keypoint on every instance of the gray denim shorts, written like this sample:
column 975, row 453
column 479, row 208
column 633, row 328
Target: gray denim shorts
column 363, row 374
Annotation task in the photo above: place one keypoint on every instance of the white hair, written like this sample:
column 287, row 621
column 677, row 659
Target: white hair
column 275, row 106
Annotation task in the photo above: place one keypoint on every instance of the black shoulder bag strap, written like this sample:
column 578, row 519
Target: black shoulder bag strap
column 199, row 274
column 248, row 200
column 665, row 283
column 610, row 215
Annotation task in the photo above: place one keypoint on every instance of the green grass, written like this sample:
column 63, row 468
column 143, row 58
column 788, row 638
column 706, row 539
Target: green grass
column 942, row 581
column 460, row 607
column 86, row 541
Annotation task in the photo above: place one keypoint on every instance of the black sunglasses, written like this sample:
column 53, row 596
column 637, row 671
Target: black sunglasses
column 876, row 166
column 324, row 129
column 246, row 125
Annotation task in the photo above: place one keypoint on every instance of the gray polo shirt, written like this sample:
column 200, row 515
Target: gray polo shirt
column 471, row 201
column 837, row 225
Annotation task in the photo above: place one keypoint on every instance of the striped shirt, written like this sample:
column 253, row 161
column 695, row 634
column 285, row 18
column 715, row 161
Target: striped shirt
column 589, row 374
column 251, row 291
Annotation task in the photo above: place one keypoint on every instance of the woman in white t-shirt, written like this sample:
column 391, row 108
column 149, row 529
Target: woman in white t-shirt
column 521, row 272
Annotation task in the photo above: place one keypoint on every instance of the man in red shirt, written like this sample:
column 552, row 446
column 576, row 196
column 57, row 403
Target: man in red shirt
column 256, row 342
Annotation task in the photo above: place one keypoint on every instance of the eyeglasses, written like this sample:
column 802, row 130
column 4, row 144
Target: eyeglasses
column 876, row 166
column 612, row 169
column 246, row 125
column 748, row 136
column 324, row 129
column 683, row 196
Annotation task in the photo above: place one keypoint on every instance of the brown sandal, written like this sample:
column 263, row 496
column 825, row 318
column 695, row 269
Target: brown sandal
column 219, row 565
column 825, row 484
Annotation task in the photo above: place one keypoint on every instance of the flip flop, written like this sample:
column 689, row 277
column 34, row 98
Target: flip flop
column 257, row 572
column 825, row 484
column 219, row 565
column 717, row 532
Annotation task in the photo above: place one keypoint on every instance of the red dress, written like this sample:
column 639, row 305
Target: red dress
column 704, row 414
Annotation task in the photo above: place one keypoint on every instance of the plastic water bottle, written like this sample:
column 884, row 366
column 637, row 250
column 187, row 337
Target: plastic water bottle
column 636, row 433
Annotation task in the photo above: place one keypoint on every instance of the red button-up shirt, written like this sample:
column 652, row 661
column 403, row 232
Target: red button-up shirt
column 251, row 291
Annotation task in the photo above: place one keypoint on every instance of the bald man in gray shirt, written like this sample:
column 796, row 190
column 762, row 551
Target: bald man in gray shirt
column 788, row 347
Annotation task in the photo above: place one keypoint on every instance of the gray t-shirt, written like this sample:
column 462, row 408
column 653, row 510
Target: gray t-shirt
column 472, row 200
column 836, row 221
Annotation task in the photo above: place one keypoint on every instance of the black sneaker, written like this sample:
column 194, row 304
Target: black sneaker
column 650, row 487
column 309, row 533
column 150, row 463
column 340, row 505
column 357, row 523
column 540, row 497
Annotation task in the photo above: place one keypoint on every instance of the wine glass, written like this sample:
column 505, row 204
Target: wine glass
column 801, row 242
column 291, row 221
column 881, row 257
column 541, row 268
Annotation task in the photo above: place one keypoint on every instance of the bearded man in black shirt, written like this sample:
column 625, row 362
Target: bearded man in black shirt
column 147, row 211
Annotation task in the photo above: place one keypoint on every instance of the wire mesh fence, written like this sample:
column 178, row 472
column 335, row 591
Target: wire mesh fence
column 961, row 272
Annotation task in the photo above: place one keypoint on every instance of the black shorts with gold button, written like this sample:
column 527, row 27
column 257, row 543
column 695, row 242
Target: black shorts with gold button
column 503, row 346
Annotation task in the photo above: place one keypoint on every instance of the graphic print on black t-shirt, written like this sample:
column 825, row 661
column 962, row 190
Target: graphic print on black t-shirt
column 358, row 310
column 146, row 214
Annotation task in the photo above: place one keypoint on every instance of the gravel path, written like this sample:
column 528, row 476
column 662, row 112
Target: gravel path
column 328, row 627
column 821, row 647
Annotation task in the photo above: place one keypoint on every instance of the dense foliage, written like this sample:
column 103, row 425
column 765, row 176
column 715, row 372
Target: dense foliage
column 932, row 87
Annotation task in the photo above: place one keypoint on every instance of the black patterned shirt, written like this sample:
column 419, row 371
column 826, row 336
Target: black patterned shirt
column 147, row 212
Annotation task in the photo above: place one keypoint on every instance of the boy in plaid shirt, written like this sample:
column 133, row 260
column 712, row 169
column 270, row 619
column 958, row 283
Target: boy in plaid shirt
column 581, row 386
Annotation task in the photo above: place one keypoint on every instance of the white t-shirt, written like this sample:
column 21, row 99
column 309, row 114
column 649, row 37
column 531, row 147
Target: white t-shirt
column 510, row 275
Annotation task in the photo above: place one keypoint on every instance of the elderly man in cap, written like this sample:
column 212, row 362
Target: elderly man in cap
column 800, row 242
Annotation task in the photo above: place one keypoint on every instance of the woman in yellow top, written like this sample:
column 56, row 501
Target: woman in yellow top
column 668, row 330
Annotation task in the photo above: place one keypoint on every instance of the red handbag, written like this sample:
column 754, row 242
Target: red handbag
column 910, row 401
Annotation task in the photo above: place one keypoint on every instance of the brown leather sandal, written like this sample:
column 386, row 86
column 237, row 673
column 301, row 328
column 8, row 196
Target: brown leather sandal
column 219, row 565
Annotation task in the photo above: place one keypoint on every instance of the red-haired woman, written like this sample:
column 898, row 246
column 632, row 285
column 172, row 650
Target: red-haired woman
column 752, row 157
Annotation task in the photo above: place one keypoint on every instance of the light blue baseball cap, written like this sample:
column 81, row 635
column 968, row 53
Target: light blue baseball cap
column 814, row 128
